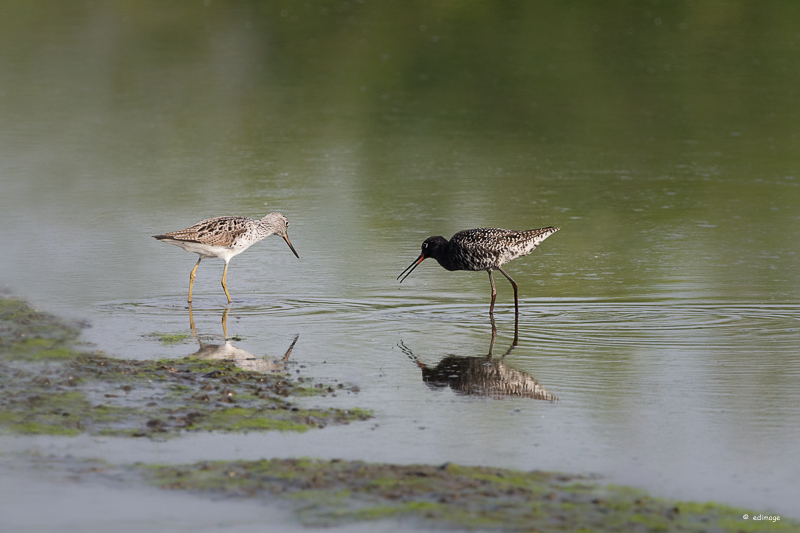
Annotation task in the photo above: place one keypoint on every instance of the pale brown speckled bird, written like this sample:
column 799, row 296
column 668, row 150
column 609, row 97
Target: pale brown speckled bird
column 226, row 237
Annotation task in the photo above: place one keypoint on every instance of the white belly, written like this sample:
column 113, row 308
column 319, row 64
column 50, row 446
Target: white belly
column 205, row 250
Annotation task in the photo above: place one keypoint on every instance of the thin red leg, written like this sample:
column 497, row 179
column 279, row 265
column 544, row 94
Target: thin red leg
column 513, row 284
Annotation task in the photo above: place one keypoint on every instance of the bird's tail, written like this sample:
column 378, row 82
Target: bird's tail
column 538, row 235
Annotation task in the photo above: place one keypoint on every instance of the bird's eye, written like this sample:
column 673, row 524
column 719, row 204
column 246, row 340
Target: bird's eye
column 424, row 244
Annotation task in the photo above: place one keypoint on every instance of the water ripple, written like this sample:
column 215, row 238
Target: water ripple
column 663, row 325
column 562, row 324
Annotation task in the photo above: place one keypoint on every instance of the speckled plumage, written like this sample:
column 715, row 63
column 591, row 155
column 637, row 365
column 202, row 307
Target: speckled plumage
column 488, row 248
column 226, row 237
column 481, row 376
column 482, row 249
column 485, row 377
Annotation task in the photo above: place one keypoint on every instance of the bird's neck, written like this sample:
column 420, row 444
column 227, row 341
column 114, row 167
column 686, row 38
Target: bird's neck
column 443, row 256
column 265, row 227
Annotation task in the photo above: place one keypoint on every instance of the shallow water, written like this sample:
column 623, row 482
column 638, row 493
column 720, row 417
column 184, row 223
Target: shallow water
column 664, row 316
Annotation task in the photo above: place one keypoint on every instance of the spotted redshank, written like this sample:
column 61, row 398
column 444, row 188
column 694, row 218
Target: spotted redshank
column 481, row 249
column 226, row 237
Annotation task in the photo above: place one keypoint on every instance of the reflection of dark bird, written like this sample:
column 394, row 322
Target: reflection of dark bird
column 480, row 376
column 481, row 249
column 241, row 358
column 226, row 237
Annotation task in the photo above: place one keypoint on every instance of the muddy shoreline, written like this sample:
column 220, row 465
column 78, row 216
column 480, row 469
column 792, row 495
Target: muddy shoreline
column 51, row 385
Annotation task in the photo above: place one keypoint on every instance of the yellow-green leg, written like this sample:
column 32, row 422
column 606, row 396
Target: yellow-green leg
column 225, row 323
column 224, row 277
column 191, row 278
column 191, row 321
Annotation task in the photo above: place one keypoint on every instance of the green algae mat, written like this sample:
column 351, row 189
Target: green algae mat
column 326, row 493
column 48, row 385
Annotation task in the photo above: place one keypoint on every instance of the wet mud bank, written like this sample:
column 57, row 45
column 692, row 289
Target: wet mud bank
column 51, row 385
column 335, row 493
column 326, row 493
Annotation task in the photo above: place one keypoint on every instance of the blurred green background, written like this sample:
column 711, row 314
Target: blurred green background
column 662, row 136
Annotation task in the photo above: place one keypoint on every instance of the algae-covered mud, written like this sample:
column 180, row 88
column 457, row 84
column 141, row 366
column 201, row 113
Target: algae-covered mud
column 473, row 498
column 51, row 386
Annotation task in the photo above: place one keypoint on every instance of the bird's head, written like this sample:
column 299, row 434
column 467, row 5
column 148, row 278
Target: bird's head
column 278, row 224
column 431, row 247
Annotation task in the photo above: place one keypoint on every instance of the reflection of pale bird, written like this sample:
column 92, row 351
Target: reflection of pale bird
column 226, row 237
column 241, row 358
column 481, row 249
column 244, row 359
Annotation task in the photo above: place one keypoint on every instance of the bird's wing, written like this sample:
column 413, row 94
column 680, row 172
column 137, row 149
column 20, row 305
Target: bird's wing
column 482, row 237
column 219, row 231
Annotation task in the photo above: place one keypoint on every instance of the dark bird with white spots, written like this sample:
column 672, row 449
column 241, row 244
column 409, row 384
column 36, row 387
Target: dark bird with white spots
column 481, row 249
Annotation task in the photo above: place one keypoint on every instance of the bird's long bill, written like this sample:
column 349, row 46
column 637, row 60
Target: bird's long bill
column 286, row 238
column 411, row 267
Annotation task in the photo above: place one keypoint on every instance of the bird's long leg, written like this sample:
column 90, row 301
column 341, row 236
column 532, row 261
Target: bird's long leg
column 513, row 345
column 516, row 332
column 225, row 324
column 494, row 294
column 191, row 321
column 516, row 299
column 224, row 277
column 191, row 277
column 494, row 336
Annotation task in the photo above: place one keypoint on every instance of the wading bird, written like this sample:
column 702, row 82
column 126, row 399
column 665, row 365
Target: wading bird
column 481, row 249
column 226, row 237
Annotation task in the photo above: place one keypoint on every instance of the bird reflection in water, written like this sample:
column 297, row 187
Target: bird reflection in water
column 242, row 358
column 484, row 376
